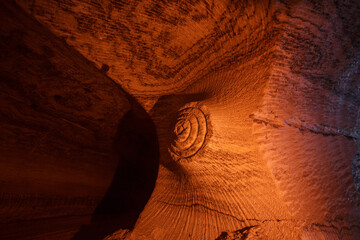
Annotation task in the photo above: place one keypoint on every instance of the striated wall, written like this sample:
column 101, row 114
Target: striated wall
column 245, row 113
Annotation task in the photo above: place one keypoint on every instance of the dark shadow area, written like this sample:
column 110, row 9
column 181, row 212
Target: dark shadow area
column 50, row 92
column 136, row 147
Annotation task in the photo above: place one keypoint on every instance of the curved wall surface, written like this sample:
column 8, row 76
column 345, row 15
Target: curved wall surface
column 180, row 120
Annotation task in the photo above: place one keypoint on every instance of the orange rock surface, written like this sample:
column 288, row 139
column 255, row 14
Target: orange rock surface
column 172, row 120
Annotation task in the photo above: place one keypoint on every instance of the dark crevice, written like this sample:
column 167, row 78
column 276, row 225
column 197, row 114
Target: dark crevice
column 238, row 234
column 136, row 147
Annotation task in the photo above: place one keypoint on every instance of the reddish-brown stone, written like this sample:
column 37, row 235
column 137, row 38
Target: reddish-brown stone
column 240, row 120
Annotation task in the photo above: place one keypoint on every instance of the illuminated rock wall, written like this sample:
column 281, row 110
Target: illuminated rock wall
column 241, row 119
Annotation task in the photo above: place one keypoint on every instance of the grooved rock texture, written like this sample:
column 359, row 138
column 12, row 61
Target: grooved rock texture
column 240, row 119
column 66, row 133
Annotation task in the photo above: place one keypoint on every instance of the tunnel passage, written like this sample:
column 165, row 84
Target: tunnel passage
column 280, row 83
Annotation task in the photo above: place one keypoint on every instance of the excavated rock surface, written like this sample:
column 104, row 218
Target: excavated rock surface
column 255, row 104
column 69, row 139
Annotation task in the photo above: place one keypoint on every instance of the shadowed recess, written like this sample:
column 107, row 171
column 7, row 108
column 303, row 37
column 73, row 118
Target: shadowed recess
column 76, row 150
column 136, row 146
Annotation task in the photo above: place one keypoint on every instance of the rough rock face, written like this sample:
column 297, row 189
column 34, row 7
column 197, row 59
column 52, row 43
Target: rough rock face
column 245, row 113
column 69, row 137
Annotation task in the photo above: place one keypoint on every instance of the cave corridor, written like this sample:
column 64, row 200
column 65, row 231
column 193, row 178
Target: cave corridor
column 179, row 119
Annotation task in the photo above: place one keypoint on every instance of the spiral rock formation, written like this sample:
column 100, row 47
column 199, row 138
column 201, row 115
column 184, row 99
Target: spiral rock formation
column 191, row 130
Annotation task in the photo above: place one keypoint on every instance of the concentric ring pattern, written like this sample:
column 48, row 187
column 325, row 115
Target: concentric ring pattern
column 190, row 132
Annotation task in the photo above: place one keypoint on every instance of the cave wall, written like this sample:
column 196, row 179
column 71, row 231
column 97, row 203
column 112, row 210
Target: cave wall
column 310, row 112
column 63, row 149
column 255, row 105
